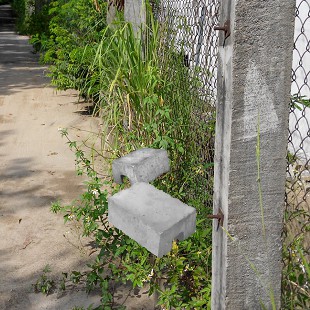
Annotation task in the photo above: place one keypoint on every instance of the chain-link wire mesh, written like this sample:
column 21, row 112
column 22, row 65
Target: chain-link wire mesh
column 191, row 24
column 189, row 32
column 191, row 29
column 296, row 226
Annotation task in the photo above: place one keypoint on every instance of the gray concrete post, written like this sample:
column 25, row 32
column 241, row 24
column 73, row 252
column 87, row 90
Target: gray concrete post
column 111, row 12
column 250, row 159
column 135, row 13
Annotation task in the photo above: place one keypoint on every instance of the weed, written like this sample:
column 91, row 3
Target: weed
column 44, row 284
column 121, row 259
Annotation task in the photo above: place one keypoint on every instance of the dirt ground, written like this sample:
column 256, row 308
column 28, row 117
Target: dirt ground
column 36, row 169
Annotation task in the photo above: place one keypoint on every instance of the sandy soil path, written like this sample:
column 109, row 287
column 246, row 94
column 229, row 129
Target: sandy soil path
column 36, row 169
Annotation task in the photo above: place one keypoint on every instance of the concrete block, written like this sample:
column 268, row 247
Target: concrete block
column 143, row 165
column 151, row 217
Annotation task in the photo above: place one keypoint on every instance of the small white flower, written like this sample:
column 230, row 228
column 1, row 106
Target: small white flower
column 95, row 192
column 151, row 274
column 302, row 267
column 59, row 129
column 71, row 217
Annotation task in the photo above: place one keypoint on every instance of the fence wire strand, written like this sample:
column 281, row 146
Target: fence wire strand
column 296, row 236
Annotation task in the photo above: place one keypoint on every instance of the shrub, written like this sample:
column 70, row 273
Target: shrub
column 146, row 97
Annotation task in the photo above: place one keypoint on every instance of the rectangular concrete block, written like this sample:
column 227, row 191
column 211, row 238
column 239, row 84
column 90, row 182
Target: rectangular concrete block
column 143, row 165
column 151, row 217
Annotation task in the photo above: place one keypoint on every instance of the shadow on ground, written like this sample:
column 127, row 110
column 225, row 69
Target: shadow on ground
column 17, row 58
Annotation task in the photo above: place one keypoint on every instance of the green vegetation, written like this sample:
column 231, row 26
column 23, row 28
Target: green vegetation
column 296, row 274
column 182, row 277
column 296, row 242
column 23, row 9
column 300, row 102
column 44, row 284
column 145, row 97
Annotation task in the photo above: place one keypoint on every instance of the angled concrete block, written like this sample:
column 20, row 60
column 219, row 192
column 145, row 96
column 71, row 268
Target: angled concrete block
column 151, row 217
column 143, row 165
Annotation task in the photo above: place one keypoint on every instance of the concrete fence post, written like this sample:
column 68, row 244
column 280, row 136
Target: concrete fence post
column 111, row 12
column 255, row 60
column 135, row 13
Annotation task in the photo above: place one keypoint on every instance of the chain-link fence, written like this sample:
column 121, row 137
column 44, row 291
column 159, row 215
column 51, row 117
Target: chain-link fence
column 189, row 32
column 192, row 23
column 297, row 220
column 191, row 27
